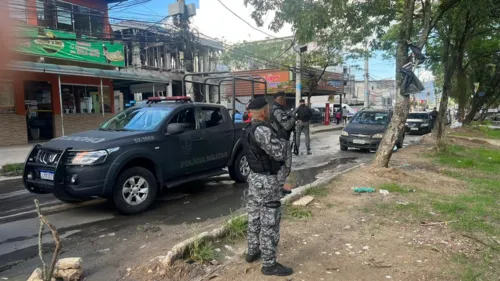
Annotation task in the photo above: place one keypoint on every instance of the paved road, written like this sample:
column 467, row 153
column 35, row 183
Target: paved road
column 105, row 239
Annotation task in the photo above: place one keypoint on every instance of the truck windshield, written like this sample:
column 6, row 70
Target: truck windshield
column 369, row 117
column 137, row 119
column 418, row 116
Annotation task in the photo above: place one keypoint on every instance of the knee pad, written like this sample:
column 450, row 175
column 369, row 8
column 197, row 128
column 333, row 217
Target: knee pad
column 272, row 204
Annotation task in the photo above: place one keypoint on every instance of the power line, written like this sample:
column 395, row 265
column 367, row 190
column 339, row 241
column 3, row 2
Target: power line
column 236, row 15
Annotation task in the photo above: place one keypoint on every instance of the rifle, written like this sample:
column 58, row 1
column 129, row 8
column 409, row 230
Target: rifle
column 293, row 144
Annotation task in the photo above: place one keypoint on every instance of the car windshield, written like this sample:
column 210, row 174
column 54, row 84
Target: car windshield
column 137, row 119
column 370, row 117
column 418, row 116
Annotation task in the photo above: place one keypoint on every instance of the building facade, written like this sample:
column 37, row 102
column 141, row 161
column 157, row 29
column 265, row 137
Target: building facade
column 73, row 69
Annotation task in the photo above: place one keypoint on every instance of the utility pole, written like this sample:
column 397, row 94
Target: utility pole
column 298, row 72
column 367, row 91
column 298, row 77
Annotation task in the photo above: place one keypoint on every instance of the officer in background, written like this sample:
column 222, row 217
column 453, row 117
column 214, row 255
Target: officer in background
column 284, row 124
column 265, row 153
column 304, row 115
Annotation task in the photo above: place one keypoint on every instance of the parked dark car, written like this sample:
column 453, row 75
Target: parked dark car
column 317, row 116
column 419, row 123
column 366, row 129
column 139, row 152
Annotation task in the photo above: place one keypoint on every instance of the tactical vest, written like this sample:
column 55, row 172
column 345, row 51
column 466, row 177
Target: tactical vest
column 258, row 160
column 281, row 131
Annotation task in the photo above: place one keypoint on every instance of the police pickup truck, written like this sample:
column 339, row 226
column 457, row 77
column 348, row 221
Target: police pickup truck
column 130, row 158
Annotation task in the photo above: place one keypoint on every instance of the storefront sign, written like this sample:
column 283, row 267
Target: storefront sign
column 277, row 80
column 65, row 45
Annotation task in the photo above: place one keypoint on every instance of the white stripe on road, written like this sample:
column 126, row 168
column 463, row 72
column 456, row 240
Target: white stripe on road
column 13, row 194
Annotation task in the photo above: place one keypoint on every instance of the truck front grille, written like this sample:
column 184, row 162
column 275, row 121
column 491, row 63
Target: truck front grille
column 47, row 157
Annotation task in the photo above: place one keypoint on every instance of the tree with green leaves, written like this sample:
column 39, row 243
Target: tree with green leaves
column 281, row 53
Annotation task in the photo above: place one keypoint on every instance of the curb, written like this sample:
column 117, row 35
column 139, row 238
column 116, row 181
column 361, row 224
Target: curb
column 327, row 130
column 178, row 250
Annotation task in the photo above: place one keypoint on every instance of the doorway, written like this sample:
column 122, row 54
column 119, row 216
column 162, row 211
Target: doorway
column 38, row 105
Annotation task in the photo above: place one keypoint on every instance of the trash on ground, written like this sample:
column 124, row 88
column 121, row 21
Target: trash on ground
column 364, row 189
column 384, row 192
column 456, row 125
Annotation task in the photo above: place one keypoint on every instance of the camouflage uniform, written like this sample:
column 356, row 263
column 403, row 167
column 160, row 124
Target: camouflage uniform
column 264, row 206
column 287, row 123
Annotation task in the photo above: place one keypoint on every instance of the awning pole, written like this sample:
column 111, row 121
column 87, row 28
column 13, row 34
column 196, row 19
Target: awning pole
column 154, row 91
column 60, row 103
column 102, row 98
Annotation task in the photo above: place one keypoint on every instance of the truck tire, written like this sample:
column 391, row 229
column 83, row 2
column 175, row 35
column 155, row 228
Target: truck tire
column 240, row 169
column 134, row 191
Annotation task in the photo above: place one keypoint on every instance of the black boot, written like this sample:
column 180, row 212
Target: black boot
column 309, row 152
column 252, row 258
column 277, row 269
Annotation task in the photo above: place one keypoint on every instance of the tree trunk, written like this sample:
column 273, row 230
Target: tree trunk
column 396, row 127
column 449, row 64
column 462, row 88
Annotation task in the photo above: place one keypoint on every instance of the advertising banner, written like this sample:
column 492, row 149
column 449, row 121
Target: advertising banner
column 64, row 45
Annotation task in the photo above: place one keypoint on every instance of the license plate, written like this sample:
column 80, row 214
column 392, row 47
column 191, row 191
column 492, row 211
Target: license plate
column 358, row 141
column 47, row 176
column 414, row 129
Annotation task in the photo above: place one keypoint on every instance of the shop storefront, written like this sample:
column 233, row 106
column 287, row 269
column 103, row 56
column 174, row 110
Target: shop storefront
column 42, row 101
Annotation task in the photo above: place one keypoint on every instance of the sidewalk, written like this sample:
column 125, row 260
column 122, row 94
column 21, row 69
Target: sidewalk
column 14, row 153
column 318, row 128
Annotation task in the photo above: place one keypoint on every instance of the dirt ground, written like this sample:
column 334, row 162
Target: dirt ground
column 352, row 236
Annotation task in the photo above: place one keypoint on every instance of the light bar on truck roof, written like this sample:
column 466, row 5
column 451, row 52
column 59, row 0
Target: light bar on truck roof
column 169, row 99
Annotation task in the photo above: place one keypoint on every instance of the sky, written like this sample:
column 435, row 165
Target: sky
column 215, row 21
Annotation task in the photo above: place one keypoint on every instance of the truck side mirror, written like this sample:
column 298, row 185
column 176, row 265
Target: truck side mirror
column 174, row 129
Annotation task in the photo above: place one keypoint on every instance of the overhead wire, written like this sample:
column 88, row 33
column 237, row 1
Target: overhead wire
column 248, row 55
column 243, row 20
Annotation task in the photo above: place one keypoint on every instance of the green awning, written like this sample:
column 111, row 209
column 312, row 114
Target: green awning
column 85, row 72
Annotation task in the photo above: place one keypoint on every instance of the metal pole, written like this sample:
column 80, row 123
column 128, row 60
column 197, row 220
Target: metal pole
column 154, row 90
column 298, row 77
column 60, row 103
column 367, row 91
column 102, row 99
column 234, row 97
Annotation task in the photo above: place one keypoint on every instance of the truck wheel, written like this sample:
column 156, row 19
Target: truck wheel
column 240, row 169
column 343, row 148
column 134, row 191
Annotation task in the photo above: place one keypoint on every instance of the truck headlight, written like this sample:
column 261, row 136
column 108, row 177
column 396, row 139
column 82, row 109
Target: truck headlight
column 344, row 133
column 89, row 157
column 377, row 136
column 425, row 125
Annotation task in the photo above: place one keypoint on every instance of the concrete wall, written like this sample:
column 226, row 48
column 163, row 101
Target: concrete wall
column 13, row 129
column 75, row 123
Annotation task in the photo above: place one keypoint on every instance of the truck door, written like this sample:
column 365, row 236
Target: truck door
column 219, row 135
column 183, row 150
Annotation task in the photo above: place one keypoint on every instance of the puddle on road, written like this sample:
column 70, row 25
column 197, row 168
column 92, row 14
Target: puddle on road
column 307, row 176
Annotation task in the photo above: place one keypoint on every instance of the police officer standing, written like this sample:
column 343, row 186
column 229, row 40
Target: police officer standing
column 265, row 153
column 284, row 124
column 304, row 115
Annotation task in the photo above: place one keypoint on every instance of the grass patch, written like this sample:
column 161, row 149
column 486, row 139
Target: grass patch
column 299, row 212
column 481, row 159
column 393, row 187
column 202, row 251
column 12, row 167
column 237, row 227
column 320, row 191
